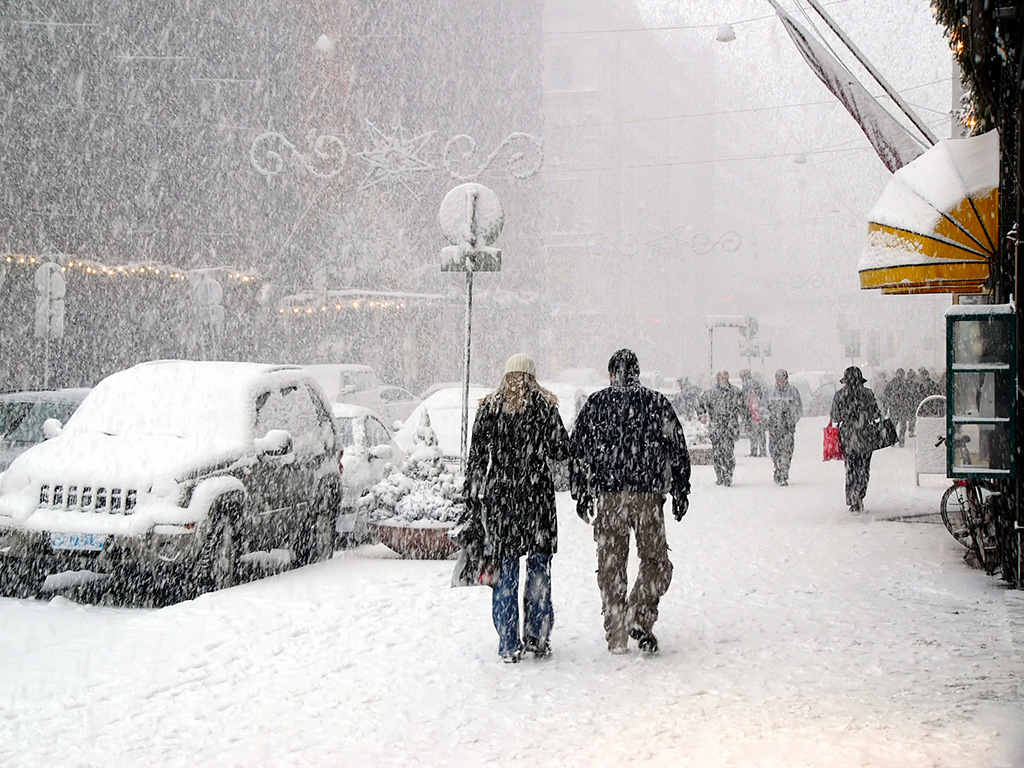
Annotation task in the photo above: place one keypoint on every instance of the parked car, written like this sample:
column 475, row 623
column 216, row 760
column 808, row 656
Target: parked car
column 816, row 388
column 341, row 379
column 177, row 469
column 444, row 407
column 358, row 385
column 24, row 416
column 392, row 403
column 370, row 453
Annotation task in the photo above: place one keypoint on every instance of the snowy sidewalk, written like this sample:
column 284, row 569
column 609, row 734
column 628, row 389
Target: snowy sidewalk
column 794, row 634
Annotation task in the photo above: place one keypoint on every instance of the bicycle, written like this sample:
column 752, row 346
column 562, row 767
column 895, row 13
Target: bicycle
column 967, row 510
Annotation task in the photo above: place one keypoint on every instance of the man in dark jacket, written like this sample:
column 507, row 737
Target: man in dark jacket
column 626, row 451
column 855, row 412
column 784, row 409
column 722, row 408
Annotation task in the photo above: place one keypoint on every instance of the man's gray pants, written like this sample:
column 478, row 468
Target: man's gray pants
column 617, row 514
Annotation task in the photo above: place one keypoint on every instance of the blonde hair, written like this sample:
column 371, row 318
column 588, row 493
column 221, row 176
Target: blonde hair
column 514, row 390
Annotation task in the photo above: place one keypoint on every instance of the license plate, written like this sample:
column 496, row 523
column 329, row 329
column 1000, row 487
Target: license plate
column 79, row 542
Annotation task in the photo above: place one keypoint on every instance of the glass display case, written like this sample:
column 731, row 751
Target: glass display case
column 981, row 374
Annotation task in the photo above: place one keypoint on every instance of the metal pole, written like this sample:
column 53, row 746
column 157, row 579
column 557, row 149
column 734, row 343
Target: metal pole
column 46, row 358
column 469, row 330
column 904, row 107
column 465, row 376
column 711, row 350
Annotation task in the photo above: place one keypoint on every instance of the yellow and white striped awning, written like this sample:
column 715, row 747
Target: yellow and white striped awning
column 935, row 227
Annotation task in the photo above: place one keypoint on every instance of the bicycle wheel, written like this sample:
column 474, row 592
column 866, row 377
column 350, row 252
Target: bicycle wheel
column 982, row 534
column 954, row 514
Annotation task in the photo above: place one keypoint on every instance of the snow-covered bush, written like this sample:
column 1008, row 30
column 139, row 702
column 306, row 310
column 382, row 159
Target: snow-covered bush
column 696, row 433
column 423, row 492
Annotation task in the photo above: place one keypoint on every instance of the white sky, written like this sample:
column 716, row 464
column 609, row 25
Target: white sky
column 803, row 224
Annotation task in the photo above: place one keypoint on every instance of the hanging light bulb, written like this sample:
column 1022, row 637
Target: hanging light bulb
column 725, row 34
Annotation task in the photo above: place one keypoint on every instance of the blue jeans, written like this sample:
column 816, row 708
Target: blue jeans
column 538, row 615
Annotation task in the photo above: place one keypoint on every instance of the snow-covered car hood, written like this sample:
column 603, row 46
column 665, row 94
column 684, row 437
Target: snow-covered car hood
column 147, row 463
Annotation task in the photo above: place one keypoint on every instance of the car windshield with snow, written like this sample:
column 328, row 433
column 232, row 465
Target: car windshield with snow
column 177, row 469
column 23, row 418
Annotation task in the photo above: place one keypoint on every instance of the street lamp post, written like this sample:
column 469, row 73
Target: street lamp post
column 471, row 219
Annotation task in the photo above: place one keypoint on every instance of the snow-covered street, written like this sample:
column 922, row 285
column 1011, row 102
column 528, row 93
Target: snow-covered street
column 794, row 634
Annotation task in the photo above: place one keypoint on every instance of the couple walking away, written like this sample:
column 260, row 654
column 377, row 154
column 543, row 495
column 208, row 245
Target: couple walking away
column 626, row 452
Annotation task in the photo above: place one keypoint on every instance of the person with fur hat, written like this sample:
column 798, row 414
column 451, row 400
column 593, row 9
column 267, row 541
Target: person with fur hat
column 626, row 452
column 855, row 411
column 784, row 409
column 517, row 434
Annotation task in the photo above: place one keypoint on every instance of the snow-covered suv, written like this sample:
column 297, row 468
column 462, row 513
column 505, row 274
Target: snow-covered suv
column 177, row 468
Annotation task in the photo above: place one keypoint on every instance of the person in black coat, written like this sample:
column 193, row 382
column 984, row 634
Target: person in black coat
column 517, row 435
column 722, row 408
column 855, row 412
column 627, row 450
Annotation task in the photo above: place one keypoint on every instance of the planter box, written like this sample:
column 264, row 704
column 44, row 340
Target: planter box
column 416, row 542
column 700, row 454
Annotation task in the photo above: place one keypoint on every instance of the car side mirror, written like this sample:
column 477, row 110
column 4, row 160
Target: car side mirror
column 380, row 452
column 51, row 428
column 277, row 442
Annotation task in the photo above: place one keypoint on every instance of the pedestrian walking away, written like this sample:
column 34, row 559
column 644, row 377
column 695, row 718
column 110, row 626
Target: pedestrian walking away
column 721, row 407
column 782, row 402
column 626, row 452
column 517, row 434
column 898, row 396
column 914, row 396
column 753, row 392
column 855, row 411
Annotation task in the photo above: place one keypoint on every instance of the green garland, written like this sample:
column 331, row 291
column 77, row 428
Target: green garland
column 979, row 107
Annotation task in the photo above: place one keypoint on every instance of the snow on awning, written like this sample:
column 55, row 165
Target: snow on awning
column 935, row 227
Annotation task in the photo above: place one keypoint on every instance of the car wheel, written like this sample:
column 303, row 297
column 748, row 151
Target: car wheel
column 217, row 564
column 20, row 577
column 316, row 542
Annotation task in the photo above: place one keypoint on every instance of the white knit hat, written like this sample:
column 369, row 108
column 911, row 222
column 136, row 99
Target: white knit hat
column 522, row 363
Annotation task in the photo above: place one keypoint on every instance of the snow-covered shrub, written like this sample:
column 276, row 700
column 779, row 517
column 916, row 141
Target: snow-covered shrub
column 423, row 492
column 696, row 433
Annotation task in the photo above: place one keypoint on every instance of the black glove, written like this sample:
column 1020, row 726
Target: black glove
column 679, row 507
column 583, row 504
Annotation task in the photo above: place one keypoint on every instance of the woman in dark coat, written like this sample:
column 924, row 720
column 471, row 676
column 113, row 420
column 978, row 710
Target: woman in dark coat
column 855, row 412
column 517, row 435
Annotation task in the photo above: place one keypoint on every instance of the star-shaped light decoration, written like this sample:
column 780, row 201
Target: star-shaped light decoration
column 394, row 157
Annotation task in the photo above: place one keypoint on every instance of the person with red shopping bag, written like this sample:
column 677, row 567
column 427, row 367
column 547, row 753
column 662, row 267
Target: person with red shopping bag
column 855, row 412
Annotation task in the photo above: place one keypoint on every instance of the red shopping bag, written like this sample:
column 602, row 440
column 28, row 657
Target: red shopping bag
column 831, row 450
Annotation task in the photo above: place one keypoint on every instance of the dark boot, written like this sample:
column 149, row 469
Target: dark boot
column 645, row 639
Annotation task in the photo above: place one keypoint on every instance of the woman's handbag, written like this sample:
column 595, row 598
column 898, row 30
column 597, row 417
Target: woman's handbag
column 832, row 450
column 887, row 433
column 474, row 566
column 474, row 569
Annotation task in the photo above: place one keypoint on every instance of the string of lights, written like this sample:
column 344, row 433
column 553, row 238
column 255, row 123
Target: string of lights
column 309, row 304
column 133, row 269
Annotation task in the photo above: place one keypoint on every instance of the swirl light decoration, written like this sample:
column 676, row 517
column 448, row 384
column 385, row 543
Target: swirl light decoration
column 266, row 159
column 728, row 241
column 463, row 148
